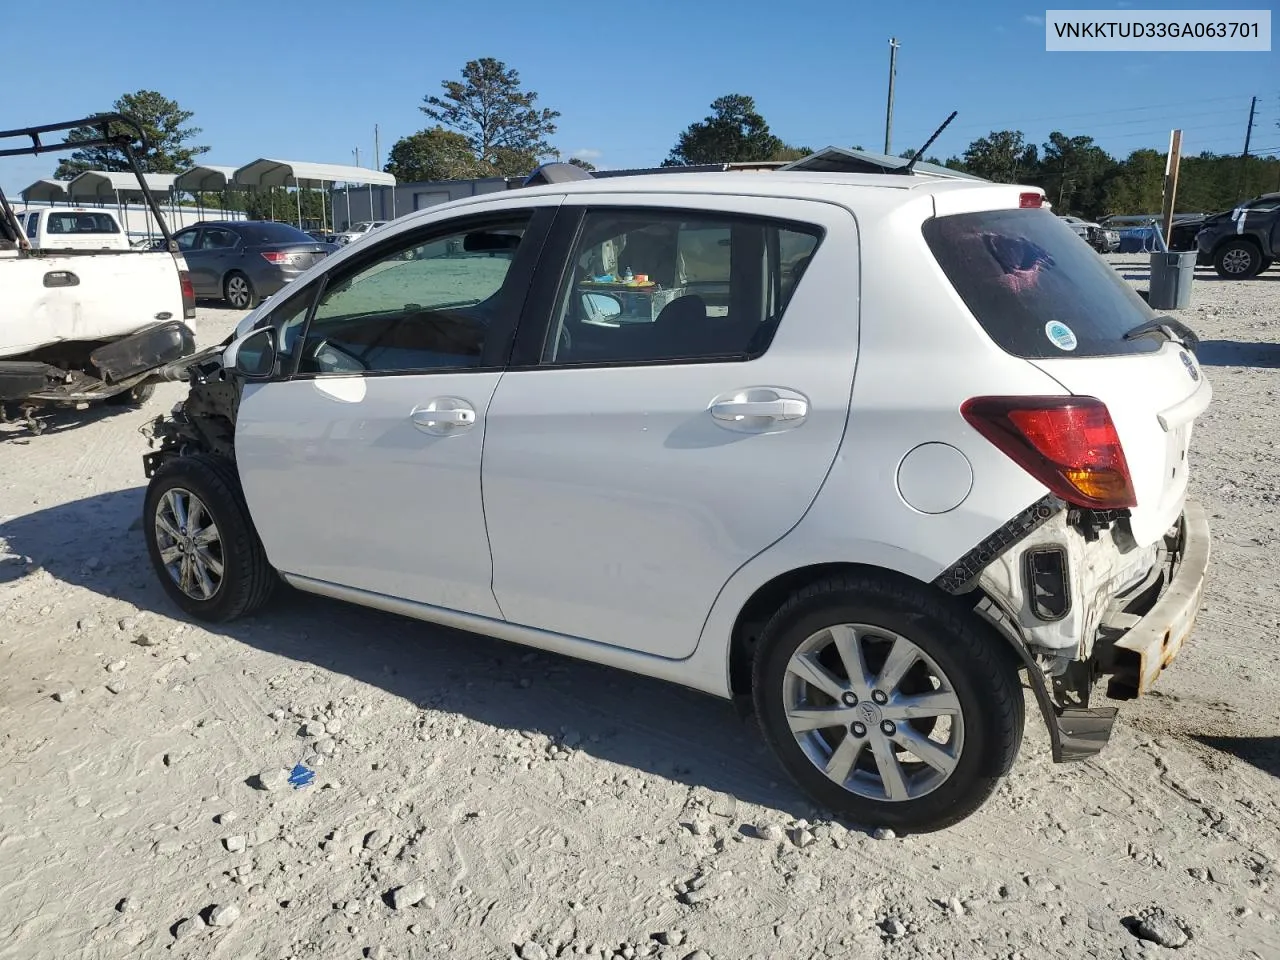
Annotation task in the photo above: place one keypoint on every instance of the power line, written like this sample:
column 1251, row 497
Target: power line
column 1095, row 113
column 1231, row 125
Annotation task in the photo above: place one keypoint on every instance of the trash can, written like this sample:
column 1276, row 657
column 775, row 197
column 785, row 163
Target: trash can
column 1171, row 276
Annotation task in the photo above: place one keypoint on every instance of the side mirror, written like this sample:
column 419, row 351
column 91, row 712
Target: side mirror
column 601, row 307
column 253, row 356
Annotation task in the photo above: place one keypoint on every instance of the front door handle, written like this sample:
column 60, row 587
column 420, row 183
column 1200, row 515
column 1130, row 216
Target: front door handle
column 780, row 409
column 450, row 418
column 444, row 416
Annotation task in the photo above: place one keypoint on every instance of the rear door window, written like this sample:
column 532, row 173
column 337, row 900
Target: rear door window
column 215, row 239
column 1037, row 291
column 667, row 286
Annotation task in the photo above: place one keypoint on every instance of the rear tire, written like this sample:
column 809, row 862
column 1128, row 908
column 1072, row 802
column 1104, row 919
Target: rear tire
column 132, row 398
column 957, row 684
column 1237, row 260
column 238, row 291
column 201, row 539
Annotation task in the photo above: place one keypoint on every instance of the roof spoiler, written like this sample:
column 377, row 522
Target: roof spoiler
column 556, row 173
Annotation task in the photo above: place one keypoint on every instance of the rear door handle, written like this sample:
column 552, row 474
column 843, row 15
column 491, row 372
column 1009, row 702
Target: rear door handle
column 444, row 416
column 780, row 409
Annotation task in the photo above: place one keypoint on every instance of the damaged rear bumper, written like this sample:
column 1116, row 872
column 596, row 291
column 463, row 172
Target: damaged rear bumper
column 1147, row 633
column 1130, row 636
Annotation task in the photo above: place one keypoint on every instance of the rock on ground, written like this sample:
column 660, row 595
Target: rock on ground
column 273, row 779
column 1162, row 928
column 224, row 915
column 408, row 895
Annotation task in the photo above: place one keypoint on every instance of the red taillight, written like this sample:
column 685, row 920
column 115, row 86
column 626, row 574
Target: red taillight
column 1031, row 199
column 188, row 295
column 1069, row 444
column 276, row 256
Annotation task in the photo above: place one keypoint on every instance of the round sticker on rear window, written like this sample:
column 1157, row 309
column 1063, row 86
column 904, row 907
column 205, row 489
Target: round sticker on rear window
column 1060, row 335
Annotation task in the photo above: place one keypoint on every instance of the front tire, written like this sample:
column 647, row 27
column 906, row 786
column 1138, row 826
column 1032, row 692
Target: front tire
column 201, row 539
column 886, row 704
column 238, row 291
column 1237, row 260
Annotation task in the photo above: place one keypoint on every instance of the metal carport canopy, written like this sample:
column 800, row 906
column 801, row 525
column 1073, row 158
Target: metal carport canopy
column 46, row 191
column 286, row 173
column 205, row 178
column 110, row 184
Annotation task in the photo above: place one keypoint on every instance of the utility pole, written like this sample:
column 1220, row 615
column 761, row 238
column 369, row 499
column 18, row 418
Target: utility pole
column 377, row 150
column 1244, row 157
column 357, row 153
column 888, row 110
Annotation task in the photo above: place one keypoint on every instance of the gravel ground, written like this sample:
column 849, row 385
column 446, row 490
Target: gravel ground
column 475, row 799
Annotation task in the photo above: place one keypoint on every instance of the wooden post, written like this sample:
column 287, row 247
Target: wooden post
column 1171, row 182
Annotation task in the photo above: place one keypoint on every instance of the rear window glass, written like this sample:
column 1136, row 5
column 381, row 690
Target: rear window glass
column 263, row 232
column 72, row 223
column 1038, row 290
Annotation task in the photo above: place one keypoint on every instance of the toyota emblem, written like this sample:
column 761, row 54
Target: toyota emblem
column 1189, row 364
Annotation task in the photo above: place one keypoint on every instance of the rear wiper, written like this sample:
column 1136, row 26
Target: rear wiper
column 1170, row 329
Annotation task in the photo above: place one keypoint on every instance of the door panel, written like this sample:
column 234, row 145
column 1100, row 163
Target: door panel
column 345, row 487
column 364, row 469
column 217, row 251
column 621, row 498
column 198, row 262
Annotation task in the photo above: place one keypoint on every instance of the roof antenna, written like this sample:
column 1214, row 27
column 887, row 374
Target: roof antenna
column 927, row 144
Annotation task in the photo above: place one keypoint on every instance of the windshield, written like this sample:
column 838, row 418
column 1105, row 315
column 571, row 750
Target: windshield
column 1035, row 288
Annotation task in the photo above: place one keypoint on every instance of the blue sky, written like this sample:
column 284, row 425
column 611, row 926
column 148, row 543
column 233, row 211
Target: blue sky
column 308, row 81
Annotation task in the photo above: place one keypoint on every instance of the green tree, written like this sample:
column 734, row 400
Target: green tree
column 1137, row 185
column 910, row 155
column 586, row 165
column 734, row 132
column 434, row 154
column 169, row 151
column 1074, row 174
column 1002, row 156
column 513, row 163
column 788, row 153
column 500, row 121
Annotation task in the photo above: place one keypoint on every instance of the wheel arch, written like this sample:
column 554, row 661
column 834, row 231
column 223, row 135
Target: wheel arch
column 1236, row 238
column 767, row 598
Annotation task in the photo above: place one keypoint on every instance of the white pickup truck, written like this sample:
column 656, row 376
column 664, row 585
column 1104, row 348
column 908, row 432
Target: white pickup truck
column 73, row 228
column 85, row 325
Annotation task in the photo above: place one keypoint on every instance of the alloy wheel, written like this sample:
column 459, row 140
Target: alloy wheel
column 1236, row 261
column 873, row 712
column 189, row 543
column 238, row 292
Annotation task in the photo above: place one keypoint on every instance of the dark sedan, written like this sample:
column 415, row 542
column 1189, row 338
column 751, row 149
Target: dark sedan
column 242, row 261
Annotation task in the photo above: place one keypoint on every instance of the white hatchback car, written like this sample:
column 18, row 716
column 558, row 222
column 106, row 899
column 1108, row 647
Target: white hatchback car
column 855, row 450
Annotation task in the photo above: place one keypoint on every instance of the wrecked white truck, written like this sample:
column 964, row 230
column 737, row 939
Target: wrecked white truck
column 79, row 327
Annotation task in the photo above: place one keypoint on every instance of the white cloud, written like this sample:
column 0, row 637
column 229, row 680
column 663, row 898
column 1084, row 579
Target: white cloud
column 586, row 153
column 1033, row 19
